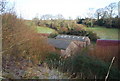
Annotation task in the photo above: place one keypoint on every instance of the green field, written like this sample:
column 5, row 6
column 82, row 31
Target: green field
column 105, row 33
column 102, row 32
column 44, row 30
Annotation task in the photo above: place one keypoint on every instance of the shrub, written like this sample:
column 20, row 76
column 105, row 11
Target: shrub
column 63, row 30
column 21, row 41
column 53, row 60
column 93, row 36
column 53, row 35
column 109, row 23
column 83, row 64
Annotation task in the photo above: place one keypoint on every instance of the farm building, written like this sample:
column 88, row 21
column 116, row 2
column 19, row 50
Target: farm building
column 74, row 38
column 71, row 37
column 62, row 41
column 57, row 43
column 68, row 43
column 105, row 42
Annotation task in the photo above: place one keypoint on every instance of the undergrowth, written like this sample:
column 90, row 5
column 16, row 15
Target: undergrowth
column 82, row 66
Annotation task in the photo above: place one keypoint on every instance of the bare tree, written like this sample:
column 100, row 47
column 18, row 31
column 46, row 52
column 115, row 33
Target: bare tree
column 36, row 20
column 3, row 4
column 59, row 16
column 91, row 15
column 99, row 13
column 119, row 9
column 110, row 9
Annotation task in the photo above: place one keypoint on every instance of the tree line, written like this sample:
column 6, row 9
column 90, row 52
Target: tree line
column 103, row 17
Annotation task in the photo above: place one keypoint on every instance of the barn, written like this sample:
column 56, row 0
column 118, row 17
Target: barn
column 68, row 43
column 62, row 41
column 107, row 42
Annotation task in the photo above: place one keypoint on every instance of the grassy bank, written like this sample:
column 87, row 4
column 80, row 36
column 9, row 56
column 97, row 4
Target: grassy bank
column 105, row 33
column 44, row 30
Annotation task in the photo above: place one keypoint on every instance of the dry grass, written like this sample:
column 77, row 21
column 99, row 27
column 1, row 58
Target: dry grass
column 21, row 41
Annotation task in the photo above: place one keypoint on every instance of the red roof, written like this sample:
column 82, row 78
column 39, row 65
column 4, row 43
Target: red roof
column 103, row 42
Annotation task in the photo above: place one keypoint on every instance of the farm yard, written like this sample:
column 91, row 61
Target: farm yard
column 51, row 46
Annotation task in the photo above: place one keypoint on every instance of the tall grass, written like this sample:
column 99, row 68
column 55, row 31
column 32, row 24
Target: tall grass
column 21, row 41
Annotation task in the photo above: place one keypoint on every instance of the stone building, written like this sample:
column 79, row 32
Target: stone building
column 69, row 44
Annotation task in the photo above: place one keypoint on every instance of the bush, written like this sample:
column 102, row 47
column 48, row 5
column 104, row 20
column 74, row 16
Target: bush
column 93, row 36
column 21, row 41
column 63, row 30
column 53, row 60
column 83, row 64
column 53, row 35
column 109, row 23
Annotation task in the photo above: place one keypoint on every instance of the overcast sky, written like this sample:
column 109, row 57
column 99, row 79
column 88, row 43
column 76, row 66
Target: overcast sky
column 68, row 8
